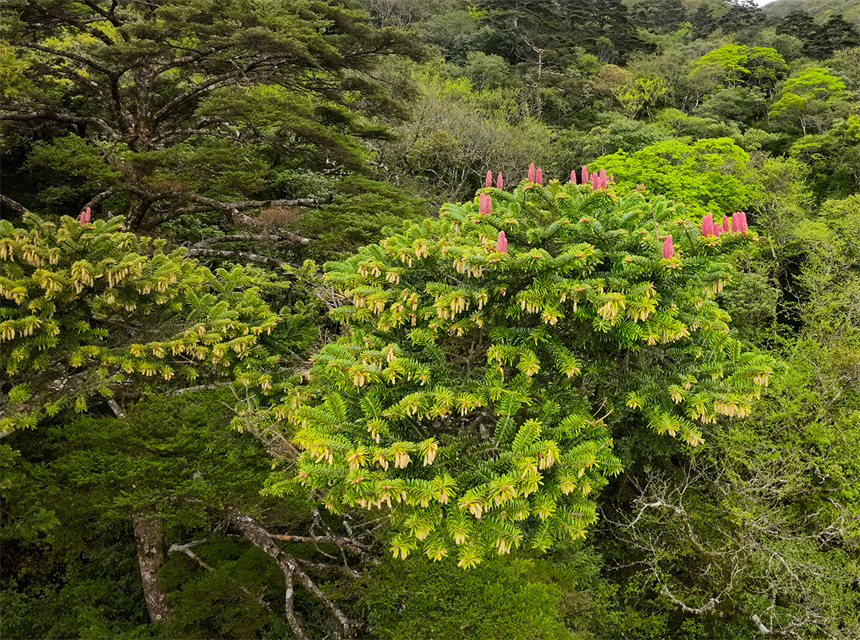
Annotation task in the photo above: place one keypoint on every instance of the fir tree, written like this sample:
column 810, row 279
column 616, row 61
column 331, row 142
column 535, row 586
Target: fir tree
column 492, row 353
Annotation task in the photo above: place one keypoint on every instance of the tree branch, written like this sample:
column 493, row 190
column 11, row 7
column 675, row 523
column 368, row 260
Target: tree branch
column 15, row 206
column 206, row 85
column 239, row 256
column 45, row 114
column 263, row 540
column 338, row 541
column 65, row 18
column 281, row 236
column 192, row 57
column 95, row 200
column 71, row 56
column 186, row 549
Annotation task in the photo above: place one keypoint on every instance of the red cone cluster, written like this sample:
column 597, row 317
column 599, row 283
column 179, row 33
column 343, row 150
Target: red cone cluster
column 737, row 224
column 598, row 180
column 85, row 216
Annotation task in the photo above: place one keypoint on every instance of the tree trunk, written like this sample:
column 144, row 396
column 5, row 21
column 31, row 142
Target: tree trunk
column 150, row 556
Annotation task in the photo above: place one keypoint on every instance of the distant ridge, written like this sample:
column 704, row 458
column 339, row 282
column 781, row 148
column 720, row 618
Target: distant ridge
column 821, row 9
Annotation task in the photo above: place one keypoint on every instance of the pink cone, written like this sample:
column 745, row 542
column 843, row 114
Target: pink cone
column 573, row 177
column 499, row 182
column 668, row 248
column 726, row 227
column 532, row 172
column 489, row 181
column 708, row 225
column 584, row 174
column 539, row 176
column 485, row 204
column 739, row 222
column 501, row 243
column 603, row 175
column 85, row 216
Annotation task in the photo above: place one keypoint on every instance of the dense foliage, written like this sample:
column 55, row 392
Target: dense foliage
column 88, row 305
column 618, row 402
column 496, row 362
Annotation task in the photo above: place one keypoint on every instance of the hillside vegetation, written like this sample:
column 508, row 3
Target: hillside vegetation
column 438, row 319
column 849, row 9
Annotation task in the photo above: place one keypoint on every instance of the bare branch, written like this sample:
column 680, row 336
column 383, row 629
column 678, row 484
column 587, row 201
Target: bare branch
column 199, row 387
column 280, row 236
column 238, row 256
column 95, row 200
column 338, row 541
column 15, row 206
column 186, row 549
column 114, row 406
column 263, row 540
column 256, row 204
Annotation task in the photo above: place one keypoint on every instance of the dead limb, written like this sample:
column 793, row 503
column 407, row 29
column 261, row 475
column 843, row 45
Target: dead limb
column 238, row 256
column 263, row 540
column 15, row 206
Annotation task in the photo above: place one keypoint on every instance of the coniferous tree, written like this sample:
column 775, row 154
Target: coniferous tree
column 493, row 353
column 185, row 106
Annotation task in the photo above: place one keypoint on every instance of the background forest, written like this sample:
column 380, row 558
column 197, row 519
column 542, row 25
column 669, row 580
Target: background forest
column 263, row 377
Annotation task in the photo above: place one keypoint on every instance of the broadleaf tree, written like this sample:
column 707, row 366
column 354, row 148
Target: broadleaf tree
column 491, row 354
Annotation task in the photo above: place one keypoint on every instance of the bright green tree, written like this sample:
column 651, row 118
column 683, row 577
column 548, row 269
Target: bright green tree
column 709, row 173
column 738, row 64
column 809, row 99
column 477, row 388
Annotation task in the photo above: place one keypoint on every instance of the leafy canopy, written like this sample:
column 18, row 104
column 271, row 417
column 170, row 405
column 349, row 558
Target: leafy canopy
column 707, row 174
column 191, row 102
column 474, row 392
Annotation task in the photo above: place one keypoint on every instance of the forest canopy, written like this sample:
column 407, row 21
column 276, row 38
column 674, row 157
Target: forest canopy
column 399, row 319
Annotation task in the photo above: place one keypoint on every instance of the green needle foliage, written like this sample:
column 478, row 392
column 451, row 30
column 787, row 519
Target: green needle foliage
column 88, row 308
column 474, row 392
